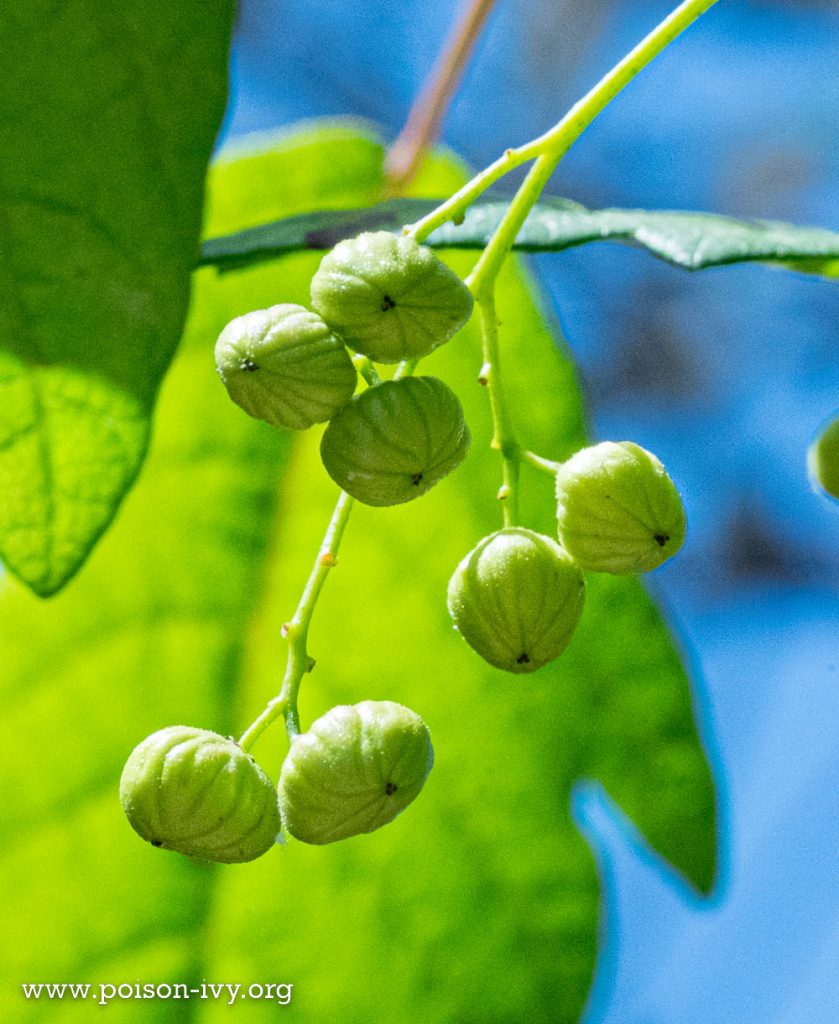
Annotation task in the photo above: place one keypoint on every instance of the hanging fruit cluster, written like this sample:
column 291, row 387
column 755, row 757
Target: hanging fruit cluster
column 515, row 598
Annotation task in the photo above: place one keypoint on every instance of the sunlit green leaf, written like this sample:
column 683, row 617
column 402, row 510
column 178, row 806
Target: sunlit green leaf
column 693, row 241
column 107, row 116
column 480, row 902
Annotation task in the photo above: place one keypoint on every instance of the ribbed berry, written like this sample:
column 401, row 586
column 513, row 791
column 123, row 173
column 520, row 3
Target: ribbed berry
column 516, row 599
column 199, row 793
column 617, row 509
column 283, row 365
column 389, row 297
column 353, row 771
column 396, row 440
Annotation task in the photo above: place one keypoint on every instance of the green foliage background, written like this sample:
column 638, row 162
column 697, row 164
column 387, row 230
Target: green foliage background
column 108, row 114
column 480, row 903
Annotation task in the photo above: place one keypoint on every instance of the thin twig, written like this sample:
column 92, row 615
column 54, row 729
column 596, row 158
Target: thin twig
column 555, row 143
column 423, row 124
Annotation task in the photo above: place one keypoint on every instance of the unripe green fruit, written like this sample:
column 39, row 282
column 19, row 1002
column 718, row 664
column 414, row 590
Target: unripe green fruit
column 354, row 770
column 617, row 509
column 200, row 794
column 283, row 365
column 516, row 599
column 393, row 442
column 389, row 297
column 823, row 459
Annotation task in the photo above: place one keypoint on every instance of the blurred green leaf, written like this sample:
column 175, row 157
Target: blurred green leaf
column 480, row 903
column 107, row 119
column 693, row 241
column 826, row 266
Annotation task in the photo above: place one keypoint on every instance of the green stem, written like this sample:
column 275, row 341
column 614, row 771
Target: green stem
column 455, row 207
column 546, row 151
column 545, row 465
column 485, row 271
column 560, row 138
column 556, row 142
column 406, row 368
column 366, row 369
column 299, row 661
column 503, row 439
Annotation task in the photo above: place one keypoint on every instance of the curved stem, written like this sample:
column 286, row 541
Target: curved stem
column 366, row 369
column 296, row 631
column 545, row 465
column 454, row 208
column 486, row 269
column 406, row 368
column 556, row 142
column 560, row 138
column 546, row 151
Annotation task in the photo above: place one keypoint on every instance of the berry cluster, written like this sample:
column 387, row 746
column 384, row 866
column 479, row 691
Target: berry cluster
column 515, row 598
column 200, row 794
column 356, row 767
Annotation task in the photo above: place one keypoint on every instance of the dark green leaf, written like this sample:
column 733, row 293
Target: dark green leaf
column 478, row 904
column 107, row 117
column 693, row 241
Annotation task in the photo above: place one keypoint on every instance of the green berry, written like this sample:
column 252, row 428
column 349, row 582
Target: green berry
column 283, row 365
column 393, row 442
column 823, row 459
column 617, row 509
column 516, row 599
column 354, row 770
column 200, row 794
column 389, row 297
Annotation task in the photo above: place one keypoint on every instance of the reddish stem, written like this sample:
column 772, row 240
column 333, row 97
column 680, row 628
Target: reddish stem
column 423, row 124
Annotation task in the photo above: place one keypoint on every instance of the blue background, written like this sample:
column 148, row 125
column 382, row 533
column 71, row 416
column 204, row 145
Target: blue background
column 725, row 374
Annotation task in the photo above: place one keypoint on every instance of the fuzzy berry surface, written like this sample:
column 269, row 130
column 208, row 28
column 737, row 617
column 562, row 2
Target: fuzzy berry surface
column 617, row 509
column 355, row 769
column 516, row 599
column 395, row 441
column 283, row 365
column 389, row 297
column 198, row 793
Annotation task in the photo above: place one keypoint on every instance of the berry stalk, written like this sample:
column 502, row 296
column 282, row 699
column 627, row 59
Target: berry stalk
column 547, row 151
column 503, row 439
column 554, row 143
column 296, row 631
